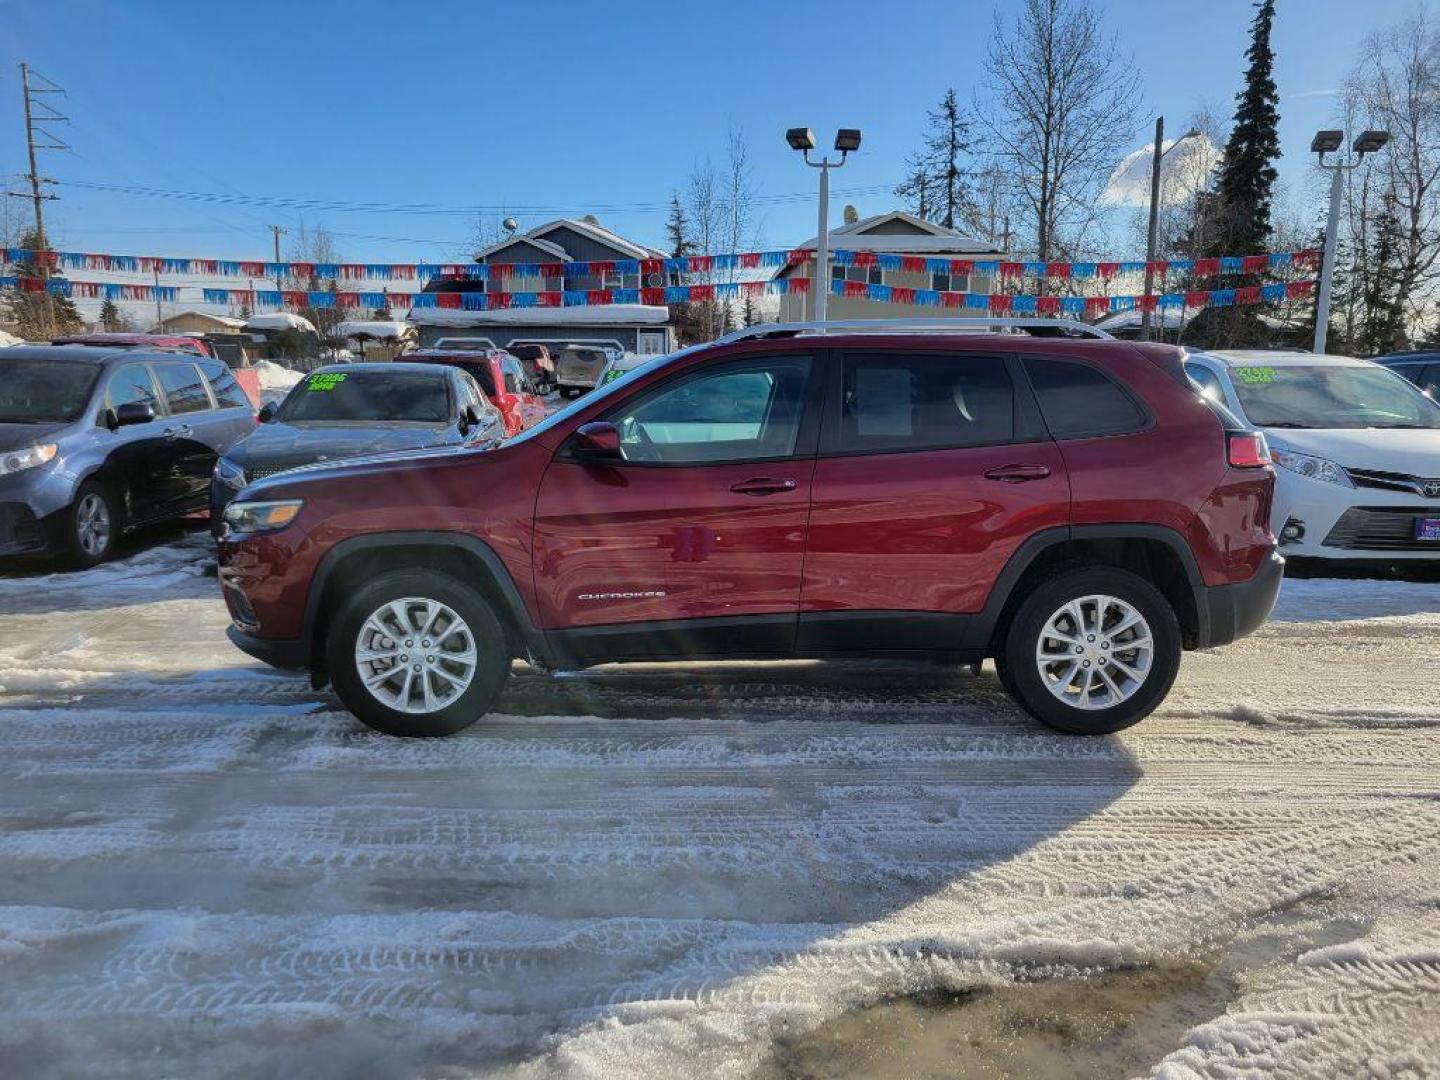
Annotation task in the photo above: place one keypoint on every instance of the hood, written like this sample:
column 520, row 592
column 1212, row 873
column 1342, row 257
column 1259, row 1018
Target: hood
column 348, row 466
column 276, row 444
column 19, row 436
column 1396, row 450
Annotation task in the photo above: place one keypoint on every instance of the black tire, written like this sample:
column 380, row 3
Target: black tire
column 492, row 660
column 1022, row 675
column 80, row 551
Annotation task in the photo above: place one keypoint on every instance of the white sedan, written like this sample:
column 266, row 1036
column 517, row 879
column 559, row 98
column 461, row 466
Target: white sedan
column 1357, row 450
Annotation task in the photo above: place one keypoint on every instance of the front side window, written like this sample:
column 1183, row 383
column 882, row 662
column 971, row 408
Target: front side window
column 131, row 383
column 1081, row 402
column 228, row 394
column 184, row 388
column 925, row 401
column 1330, row 396
column 742, row 413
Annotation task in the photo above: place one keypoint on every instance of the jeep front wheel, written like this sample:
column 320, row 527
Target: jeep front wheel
column 417, row 653
column 1093, row 651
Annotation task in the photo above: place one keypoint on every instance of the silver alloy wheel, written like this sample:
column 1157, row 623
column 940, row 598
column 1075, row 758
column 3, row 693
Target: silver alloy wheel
column 1094, row 652
column 92, row 524
column 415, row 655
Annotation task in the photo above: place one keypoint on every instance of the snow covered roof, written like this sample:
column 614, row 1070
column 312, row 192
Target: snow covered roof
column 224, row 320
column 1168, row 318
column 522, row 238
column 1185, row 168
column 933, row 239
column 374, row 328
column 597, row 232
column 599, row 315
column 279, row 320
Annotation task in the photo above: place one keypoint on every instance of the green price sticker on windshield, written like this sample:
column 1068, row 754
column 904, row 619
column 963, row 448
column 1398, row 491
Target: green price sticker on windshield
column 326, row 380
column 1249, row 375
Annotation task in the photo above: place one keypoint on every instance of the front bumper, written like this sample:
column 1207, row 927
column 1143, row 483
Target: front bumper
column 1228, row 612
column 1354, row 524
column 289, row 654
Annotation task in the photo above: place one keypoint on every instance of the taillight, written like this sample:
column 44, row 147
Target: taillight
column 1248, row 450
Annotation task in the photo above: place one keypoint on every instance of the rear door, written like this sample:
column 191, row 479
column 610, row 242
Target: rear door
column 702, row 519
column 933, row 468
column 233, row 416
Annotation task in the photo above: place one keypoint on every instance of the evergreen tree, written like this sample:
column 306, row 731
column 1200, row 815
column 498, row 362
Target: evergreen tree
column 37, row 315
column 1382, row 328
column 110, row 317
column 1246, row 180
column 939, row 183
column 677, row 229
column 691, row 321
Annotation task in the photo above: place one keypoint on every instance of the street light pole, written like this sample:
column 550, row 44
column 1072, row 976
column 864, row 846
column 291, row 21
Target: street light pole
column 846, row 141
column 1327, row 142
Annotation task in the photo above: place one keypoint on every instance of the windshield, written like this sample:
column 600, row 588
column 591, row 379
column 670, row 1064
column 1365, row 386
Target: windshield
column 1331, row 396
column 603, row 393
column 44, row 391
column 368, row 396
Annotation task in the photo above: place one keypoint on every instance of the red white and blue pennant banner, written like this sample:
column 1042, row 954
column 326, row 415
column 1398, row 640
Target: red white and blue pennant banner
column 696, row 265
column 1005, row 303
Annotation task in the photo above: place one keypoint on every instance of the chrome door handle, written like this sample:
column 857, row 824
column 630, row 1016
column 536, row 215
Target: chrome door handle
column 762, row 485
column 1017, row 474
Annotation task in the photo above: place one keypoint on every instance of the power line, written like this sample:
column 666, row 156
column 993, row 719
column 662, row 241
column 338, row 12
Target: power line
column 438, row 209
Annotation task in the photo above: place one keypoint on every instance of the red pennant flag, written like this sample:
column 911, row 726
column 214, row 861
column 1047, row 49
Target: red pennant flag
column 1255, row 264
column 1047, row 305
column 1108, row 270
column 1000, row 301
column 798, row 256
column 700, row 264
column 550, row 298
column 449, row 299
column 961, row 267
column 347, row 299
column 863, row 259
column 1011, row 269
column 252, row 269
column 750, row 260
column 603, row 268
column 752, row 288
column 800, row 285
column 856, row 288
column 1298, row 288
column 912, row 264
column 1198, row 299
column 652, row 266
column 899, row 294
column 297, row 298
column 599, row 296
column 702, row 292
column 1147, row 302
column 1057, row 270
column 1250, row 294
column 952, row 299
column 1206, row 267
column 1097, row 305
column 652, row 296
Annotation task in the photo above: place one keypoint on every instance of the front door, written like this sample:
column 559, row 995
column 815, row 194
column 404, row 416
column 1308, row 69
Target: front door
column 191, row 457
column 139, row 453
column 934, row 467
column 693, row 541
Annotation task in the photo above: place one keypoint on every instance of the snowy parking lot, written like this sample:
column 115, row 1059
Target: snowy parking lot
column 208, row 869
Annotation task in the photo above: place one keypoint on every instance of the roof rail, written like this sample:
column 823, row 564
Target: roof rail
column 977, row 324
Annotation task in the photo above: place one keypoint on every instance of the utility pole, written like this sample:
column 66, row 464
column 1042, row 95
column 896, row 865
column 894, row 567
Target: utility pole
column 33, row 127
column 278, row 232
column 159, row 319
column 1151, row 234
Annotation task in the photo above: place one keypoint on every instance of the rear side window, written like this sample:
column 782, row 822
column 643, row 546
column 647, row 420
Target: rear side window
column 184, row 388
column 131, row 383
column 1429, row 380
column 1079, row 401
column 227, row 391
column 925, row 401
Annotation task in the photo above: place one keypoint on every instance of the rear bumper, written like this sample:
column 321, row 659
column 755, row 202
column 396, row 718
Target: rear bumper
column 288, row 653
column 1227, row 612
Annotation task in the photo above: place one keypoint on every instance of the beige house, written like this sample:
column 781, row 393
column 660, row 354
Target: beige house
column 198, row 322
column 895, row 233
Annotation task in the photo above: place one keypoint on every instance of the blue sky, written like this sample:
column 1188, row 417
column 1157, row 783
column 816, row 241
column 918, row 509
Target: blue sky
column 557, row 105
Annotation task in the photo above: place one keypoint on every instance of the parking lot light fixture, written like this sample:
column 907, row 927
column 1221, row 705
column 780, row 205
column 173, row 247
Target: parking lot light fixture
column 847, row 140
column 1328, row 142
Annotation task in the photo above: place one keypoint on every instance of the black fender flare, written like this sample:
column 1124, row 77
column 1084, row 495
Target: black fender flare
column 498, row 575
column 1034, row 546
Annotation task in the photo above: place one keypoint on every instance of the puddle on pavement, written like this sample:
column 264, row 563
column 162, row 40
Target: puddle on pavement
column 1115, row 1024
column 1118, row 1023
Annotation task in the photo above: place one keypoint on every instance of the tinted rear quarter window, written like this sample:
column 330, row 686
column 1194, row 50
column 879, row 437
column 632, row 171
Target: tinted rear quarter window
column 184, row 388
column 1079, row 401
column 227, row 391
column 925, row 401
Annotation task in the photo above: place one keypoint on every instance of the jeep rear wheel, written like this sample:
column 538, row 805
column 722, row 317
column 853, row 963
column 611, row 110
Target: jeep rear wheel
column 417, row 653
column 1092, row 651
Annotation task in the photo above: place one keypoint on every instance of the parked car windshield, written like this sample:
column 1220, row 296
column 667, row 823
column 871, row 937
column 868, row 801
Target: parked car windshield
column 44, row 391
column 1331, row 396
column 368, row 396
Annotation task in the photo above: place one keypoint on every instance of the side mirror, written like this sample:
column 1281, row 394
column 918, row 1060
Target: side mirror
column 469, row 418
column 598, row 439
column 267, row 412
column 134, row 412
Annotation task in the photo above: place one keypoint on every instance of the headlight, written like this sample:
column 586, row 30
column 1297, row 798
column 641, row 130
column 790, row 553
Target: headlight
column 28, row 458
column 229, row 473
column 261, row 517
column 1316, row 468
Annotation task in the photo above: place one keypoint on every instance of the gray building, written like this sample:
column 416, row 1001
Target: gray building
column 565, row 242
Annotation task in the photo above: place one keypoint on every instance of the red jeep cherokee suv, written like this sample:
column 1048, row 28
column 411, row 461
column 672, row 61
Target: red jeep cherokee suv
column 1072, row 508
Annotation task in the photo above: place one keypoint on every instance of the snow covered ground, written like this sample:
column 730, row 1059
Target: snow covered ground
column 206, row 869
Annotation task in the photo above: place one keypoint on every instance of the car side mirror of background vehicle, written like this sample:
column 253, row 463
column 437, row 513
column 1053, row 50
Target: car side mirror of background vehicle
column 598, row 439
column 266, row 413
column 133, row 412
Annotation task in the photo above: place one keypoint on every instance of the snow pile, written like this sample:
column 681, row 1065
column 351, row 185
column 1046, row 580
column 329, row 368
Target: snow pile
column 378, row 329
column 275, row 376
column 8, row 339
column 279, row 320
